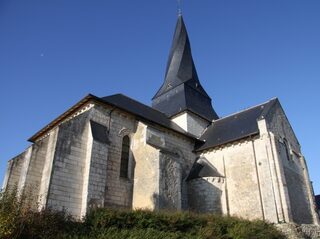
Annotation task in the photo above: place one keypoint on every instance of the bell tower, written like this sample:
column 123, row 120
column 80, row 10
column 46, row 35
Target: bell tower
column 181, row 96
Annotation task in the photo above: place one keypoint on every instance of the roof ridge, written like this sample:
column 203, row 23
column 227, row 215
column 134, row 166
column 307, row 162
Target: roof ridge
column 162, row 119
column 242, row 111
column 138, row 103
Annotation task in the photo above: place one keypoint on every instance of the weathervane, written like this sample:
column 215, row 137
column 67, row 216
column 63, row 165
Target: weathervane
column 179, row 7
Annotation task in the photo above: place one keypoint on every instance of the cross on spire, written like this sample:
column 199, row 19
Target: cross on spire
column 179, row 7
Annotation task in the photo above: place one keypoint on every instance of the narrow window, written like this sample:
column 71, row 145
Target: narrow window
column 286, row 146
column 125, row 157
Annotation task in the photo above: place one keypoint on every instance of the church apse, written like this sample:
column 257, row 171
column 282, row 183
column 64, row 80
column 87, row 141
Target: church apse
column 206, row 188
column 238, row 183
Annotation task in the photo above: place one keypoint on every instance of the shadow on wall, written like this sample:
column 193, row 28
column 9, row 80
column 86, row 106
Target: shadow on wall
column 130, row 185
column 297, row 190
column 203, row 187
column 170, row 183
column 204, row 196
column 124, row 186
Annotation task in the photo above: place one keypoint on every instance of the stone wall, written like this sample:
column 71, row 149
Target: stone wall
column 311, row 231
column 163, row 160
column 66, row 182
column 35, row 169
column 148, row 182
column 118, row 190
column 291, row 230
column 82, row 170
column 95, row 170
column 24, row 170
column 296, row 180
column 14, row 169
column 252, row 178
column 295, row 231
column 191, row 123
column 297, row 190
column 268, row 177
column 206, row 194
column 146, row 171
column 183, row 157
column 76, row 166
column 170, row 179
column 86, row 164
column 278, row 124
column 242, row 192
column 47, row 168
column 28, row 172
column 260, row 181
column 243, row 181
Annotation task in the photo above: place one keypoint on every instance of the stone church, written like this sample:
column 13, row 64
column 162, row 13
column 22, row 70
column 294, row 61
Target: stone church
column 178, row 154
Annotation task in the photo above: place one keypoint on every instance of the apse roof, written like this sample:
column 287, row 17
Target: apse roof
column 202, row 168
column 234, row 127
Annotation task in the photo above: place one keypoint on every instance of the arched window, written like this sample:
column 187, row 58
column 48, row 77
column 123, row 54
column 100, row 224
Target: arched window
column 125, row 151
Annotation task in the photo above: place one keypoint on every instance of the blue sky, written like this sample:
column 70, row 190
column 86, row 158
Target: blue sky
column 53, row 53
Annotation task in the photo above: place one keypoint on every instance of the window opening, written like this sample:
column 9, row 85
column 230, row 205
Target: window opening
column 125, row 157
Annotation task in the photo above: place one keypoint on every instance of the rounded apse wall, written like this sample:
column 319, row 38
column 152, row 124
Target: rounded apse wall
column 204, row 194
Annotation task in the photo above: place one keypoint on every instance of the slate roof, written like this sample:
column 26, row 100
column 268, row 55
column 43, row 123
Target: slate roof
column 318, row 201
column 143, row 112
column 202, row 168
column 234, row 127
column 180, row 65
column 181, row 89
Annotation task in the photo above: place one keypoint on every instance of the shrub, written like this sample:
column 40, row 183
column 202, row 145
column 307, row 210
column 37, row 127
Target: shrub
column 144, row 219
column 18, row 220
column 101, row 223
column 12, row 213
column 253, row 230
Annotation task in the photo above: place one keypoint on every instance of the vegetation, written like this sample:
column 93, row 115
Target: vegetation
column 17, row 220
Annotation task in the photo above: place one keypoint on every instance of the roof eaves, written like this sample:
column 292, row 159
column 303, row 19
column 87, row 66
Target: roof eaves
column 94, row 98
column 227, row 142
column 147, row 120
column 242, row 111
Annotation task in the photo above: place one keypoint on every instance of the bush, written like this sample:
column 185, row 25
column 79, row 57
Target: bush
column 13, row 210
column 18, row 220
column 101, row 223
column 143, row 219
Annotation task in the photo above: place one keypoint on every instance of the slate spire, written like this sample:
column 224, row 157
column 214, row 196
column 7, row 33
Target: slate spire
column 181, row 90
